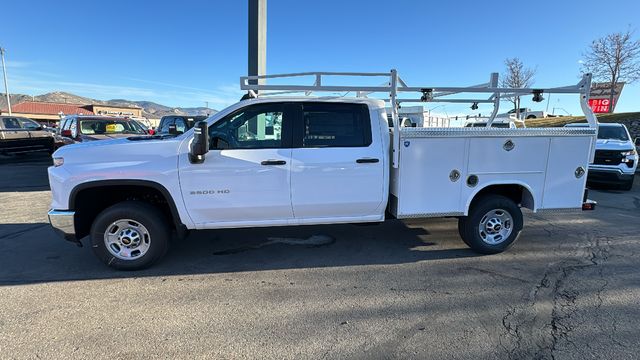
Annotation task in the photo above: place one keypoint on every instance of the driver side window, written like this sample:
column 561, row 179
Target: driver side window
column 253, row 127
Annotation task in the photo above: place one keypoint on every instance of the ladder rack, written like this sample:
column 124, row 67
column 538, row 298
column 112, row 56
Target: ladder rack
column 394, row 86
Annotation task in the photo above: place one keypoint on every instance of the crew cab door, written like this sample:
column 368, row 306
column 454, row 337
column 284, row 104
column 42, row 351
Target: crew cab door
column 337, row 168
column 244, row 179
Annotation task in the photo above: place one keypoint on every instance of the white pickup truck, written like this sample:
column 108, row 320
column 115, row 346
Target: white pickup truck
column 272, row 161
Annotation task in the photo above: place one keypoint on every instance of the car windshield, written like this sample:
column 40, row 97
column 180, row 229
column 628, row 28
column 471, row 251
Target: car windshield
column 612, row 133
column 108, row 126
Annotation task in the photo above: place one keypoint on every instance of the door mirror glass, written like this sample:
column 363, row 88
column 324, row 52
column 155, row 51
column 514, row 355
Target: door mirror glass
column 200, row 144
column 638, row 141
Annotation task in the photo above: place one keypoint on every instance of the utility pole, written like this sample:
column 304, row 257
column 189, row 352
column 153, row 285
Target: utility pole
column 6, row 87
column 257, row 62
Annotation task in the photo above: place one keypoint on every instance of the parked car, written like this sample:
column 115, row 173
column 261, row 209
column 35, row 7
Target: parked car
column 524, row 113
column 82, row 128
column 616, row 157
column 177, row 124
column 22, row 135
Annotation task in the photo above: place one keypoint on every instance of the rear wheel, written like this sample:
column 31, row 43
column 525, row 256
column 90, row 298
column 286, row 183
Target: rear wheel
column 130, row 235
column 493, row 225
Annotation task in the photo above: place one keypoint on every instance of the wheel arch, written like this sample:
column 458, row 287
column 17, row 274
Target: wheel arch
column 520, row 192
column 139, row 189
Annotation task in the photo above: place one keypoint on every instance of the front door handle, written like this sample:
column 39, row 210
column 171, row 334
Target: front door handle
column 367, row 161
column 273, row 162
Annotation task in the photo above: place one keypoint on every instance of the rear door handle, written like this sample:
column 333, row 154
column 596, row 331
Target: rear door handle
column 273, row 162
column 367, row 161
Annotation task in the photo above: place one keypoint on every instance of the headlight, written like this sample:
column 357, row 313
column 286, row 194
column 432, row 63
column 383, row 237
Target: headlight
column 58, row 161
column 629, row 153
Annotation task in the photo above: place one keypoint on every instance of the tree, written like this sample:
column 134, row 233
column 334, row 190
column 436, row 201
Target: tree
column 516, row 76
column 613, row 58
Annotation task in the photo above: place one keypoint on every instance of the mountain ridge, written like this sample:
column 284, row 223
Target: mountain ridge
column 150, row 109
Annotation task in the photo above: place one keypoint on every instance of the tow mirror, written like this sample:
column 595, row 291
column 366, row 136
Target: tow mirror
column 200, row 144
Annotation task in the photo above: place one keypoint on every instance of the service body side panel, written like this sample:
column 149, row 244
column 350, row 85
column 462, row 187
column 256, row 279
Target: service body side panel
column 562, row 188
column 426, row 165
column 542, row 161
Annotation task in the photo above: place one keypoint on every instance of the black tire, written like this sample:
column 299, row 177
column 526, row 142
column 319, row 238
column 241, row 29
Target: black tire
column 627, row 185
column 461, row 226
column 469, row 227
column 531, row 117
column 158, row 234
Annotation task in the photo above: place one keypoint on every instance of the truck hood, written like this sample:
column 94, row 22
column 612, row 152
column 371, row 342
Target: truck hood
column 116, row 153
column 105, row 136
column 612, row 144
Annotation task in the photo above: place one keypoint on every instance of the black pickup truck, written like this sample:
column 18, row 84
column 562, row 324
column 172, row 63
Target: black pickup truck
column 22, row 135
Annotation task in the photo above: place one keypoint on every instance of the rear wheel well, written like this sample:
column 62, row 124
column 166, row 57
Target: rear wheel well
column 88, row 202
column 517, row 193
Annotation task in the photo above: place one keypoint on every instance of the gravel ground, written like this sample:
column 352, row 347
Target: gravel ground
column 568, row 289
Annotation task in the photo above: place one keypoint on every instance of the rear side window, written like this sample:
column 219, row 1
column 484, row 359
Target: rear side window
column 11, row 123
column 336, row 125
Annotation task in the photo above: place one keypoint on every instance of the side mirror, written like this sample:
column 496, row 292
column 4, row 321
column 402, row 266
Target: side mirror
column 638, row 141
column 66, row 133
column 200, row 144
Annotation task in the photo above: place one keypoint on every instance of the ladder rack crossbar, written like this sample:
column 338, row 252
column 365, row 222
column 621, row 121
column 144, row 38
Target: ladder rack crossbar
column 395, row 85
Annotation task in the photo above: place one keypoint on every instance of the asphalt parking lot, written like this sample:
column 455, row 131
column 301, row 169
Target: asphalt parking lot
column 568, row 289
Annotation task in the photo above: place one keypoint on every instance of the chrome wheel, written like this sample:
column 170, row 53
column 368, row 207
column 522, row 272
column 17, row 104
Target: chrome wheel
column 127, row 239
column 495, row 226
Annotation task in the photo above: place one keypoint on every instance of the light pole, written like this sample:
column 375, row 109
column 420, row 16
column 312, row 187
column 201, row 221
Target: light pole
column 257, row 64
column 429, row 113
column 6, row 87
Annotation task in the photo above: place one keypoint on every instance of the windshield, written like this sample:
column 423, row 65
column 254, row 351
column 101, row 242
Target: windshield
column 612, row 133
column 104, row 126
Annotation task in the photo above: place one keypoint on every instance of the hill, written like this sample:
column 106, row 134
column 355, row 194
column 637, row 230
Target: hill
column 150, row 109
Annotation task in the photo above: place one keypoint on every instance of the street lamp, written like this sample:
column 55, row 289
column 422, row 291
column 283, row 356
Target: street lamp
column 6, row 87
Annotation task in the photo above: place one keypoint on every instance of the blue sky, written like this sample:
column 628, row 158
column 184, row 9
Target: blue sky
column 185, row 53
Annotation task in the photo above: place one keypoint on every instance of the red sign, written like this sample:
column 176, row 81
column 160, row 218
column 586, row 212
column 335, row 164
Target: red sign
column 600, row 106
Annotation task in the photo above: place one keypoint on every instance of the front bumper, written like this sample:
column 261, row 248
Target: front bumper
column 609, row 176
column 63, row 225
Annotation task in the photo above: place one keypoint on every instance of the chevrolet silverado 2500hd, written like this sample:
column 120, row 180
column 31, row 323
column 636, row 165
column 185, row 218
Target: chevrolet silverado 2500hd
column 271, row 161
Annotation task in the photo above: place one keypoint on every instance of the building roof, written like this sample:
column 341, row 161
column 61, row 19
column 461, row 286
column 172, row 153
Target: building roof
column 49, row 108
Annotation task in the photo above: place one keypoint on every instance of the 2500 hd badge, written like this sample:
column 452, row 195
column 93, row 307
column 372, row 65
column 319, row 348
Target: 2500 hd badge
column 209, row 192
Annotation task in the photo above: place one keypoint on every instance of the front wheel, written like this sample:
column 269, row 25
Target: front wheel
column 130, row 235
column 493, row 225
